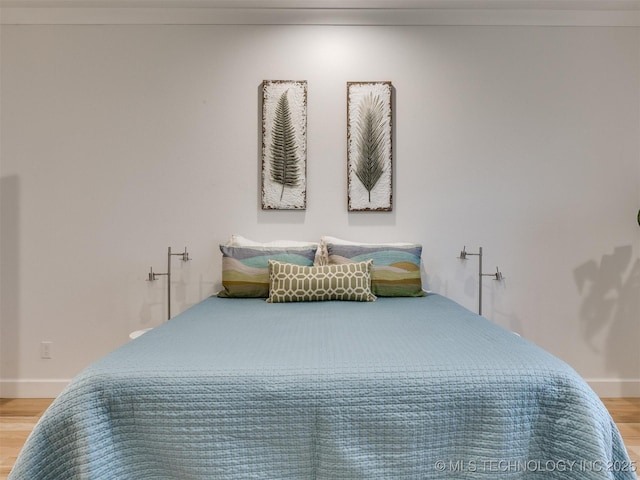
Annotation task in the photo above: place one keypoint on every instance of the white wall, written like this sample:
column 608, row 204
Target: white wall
column 120, row 140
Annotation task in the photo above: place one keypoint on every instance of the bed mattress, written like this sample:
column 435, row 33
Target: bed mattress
column 400, row 388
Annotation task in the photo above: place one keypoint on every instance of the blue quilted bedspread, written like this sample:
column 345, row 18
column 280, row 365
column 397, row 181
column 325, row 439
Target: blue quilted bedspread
column 401, row 388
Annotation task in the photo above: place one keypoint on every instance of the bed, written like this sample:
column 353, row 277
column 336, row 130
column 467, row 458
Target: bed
column 399, row 388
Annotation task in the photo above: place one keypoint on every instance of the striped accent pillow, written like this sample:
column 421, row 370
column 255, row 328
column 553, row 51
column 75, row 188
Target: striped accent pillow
column 245, row 270
column 295, row 283
column 396, row 268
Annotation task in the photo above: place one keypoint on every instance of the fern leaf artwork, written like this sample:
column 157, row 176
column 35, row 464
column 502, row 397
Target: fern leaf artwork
column 285, row 169
column 284, row 144
column 369, row 150
column 370, row 140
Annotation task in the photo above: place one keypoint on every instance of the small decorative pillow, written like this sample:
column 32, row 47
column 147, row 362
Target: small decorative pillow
column 245, row 270
column 396, row 267
column 295, row 283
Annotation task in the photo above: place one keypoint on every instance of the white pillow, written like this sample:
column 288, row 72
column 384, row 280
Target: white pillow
column 239, row 241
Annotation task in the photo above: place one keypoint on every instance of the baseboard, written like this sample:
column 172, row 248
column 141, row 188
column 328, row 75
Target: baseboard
column 615, row 388
column 32, row 388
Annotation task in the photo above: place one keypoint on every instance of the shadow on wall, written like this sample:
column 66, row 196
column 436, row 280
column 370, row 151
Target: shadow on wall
column 610, row 310
column 9, row 276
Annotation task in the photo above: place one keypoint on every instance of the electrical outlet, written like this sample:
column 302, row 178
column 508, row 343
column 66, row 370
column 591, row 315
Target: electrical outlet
column 45, row 350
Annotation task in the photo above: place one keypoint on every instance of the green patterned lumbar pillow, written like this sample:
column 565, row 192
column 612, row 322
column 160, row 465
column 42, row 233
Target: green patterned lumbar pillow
column 295, row 283
column 245, row 270
column 396, row 267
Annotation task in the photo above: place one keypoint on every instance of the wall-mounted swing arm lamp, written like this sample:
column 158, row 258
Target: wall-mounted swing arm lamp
column 153, row 275
column 496, row 276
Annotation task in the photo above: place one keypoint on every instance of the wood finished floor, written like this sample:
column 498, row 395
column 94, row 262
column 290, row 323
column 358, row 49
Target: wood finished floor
column 18, row 417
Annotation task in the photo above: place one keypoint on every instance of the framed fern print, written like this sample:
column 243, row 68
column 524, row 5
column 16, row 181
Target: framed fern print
column 284, row 144
column 369, row 146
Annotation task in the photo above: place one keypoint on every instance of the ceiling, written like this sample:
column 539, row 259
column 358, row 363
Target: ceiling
column 615, row 13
